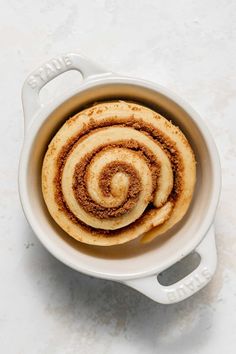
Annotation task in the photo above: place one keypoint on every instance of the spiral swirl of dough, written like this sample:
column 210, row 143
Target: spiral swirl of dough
column 116, row 171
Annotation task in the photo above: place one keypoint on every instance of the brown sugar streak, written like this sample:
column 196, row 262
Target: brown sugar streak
column 83, row 198
column 146, row 128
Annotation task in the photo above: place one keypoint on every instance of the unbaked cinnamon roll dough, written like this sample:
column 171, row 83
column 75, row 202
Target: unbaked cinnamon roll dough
column 116, row 171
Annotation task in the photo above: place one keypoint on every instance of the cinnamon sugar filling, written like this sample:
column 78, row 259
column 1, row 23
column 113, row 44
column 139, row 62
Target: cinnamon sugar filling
column 80, row 174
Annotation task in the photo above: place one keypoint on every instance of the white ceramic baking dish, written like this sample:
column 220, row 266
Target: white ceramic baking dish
column 133, row 264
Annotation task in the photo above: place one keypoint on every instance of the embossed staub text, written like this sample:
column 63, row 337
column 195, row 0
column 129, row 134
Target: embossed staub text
column 189, row 286
column 48, row 71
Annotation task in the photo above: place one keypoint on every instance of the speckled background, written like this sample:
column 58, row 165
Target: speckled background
column 187, row 46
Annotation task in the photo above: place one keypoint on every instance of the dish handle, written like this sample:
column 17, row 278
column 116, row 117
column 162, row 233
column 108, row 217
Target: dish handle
column 187, row 286
column 49, row 71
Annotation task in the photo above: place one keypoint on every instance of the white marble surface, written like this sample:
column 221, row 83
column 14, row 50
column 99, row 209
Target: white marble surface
column 188, row 46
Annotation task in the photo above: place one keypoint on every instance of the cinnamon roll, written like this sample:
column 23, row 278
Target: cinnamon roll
column 115, row 171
